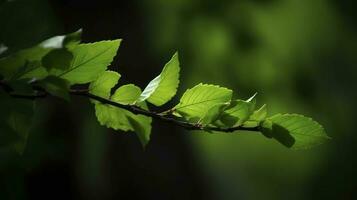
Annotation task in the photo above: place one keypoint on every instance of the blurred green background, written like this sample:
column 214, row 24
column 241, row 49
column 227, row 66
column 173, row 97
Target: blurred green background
column 299, row 55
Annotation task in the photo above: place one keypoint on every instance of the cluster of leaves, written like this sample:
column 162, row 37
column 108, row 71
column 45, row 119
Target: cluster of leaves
column 56, row 65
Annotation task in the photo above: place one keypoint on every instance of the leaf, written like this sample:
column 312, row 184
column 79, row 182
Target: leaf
column 104, row 83
column 22, row 63
column 72, row 39
column 117, row 118
column 294, row 131
column 56, row 86
column 16, row 118
column 112, row 117
column 256, row 118
column 213, row 113
column 126, row 94
column 196, row 101
column 161, row 89
column 16, row 65
column 140, row 124
column 238, row 112
column 89, row 60
column 69, row 41
column 57, row 59
column 31, row 70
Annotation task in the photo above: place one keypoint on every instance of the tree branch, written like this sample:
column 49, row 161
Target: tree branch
column 132, row 108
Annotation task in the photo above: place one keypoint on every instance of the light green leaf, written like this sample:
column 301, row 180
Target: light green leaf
column 89, row 60
column 161, row 89
column 56, row 87
column 295, row 131
column 196, row 101
column 126, row 94
column 112, row 117
column 117, row 118
column 104, row 83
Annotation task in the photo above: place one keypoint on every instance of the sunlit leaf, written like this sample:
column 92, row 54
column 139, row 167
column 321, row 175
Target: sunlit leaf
column 126, row 94
column 161, row 89
column 89, row 60
column 196, row 101
column 104, row 83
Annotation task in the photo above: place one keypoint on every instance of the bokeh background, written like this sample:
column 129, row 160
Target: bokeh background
column 299, row 55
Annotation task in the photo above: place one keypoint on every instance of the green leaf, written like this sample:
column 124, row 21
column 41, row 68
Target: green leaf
column 112, row 117
column 31, row 70
column 196, row 101
column 213, row 113
column 72, row 39
column 294, row 131
column 161, row 89
column 257, row 117
column 237, row 113
column 104, row 83
column 69, row 41
column 22, row 63
column 57, row 59
column 16, row 65
column 126, row 94
column 89, row 60
column 16, row 118
column 117, row 118
column 56, row 87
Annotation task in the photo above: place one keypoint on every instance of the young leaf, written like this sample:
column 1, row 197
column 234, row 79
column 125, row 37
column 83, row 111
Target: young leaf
column 104, row 83
column 295, row 131
column 161, row 89
column 56, row 87
column 89, row 60
column 196, row 101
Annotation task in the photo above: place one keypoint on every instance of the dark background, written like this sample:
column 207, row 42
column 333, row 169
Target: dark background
column 299, row 55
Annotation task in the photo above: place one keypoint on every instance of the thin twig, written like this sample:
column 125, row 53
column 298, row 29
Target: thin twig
column 167, row 117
